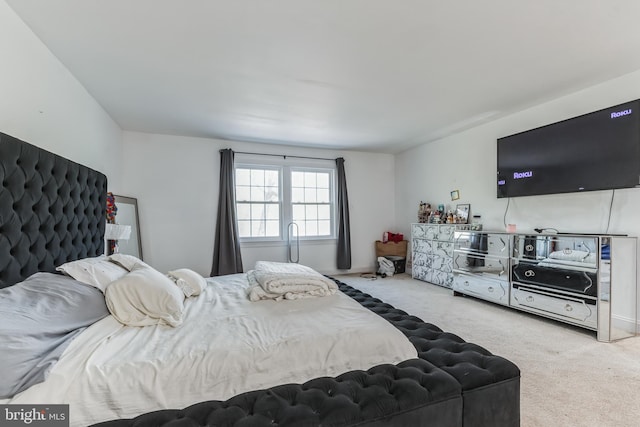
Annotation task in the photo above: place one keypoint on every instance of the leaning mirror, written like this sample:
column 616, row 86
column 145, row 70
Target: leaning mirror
column 127, row 215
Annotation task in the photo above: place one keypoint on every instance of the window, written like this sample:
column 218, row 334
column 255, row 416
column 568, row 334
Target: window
column 258, row 202
column 311, row 202
column 268, row 198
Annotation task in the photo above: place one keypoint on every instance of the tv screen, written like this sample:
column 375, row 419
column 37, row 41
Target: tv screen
column 596, row 151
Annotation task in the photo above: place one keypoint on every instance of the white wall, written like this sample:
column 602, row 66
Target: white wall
column 467, row 161
column 42, row 103
column 176, row 178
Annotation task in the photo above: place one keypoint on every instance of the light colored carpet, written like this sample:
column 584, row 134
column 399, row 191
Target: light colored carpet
column 568, row 378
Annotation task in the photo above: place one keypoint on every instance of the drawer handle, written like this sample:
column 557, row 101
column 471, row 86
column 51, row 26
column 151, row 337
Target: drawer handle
column 529, row 298
column 529, row 273
column 504, row 244
column 490, row 288
column 528, row 248
column 466, row 283
column 568, row 307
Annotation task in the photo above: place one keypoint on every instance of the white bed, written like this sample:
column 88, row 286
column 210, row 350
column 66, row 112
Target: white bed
column 226, row 345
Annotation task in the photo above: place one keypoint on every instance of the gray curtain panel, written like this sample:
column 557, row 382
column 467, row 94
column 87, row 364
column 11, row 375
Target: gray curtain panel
column 344, row 230
column 226, row 249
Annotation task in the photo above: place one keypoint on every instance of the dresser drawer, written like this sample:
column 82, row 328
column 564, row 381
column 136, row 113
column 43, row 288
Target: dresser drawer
column 421, row 273
column 445, row 232
column 441, row 278
column 487, row 289
column 442, row 263
column 422, row 245
column 419, row 231
column 574, row 310
column 444, row 249
column 581, row 281
column 568, row 248
column 432, row 231
column 483, row 266
column 422, row 259
column 482, row 243
column 424, row 231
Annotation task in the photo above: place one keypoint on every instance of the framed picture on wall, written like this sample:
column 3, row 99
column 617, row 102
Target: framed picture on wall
column 455, row 195
column 127, row 214
column 462, row 213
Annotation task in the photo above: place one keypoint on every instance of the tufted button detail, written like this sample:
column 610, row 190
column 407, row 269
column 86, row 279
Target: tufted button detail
column 33, row 188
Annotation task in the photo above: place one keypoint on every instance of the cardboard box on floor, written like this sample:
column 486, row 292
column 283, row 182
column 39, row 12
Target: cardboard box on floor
column 391, row 248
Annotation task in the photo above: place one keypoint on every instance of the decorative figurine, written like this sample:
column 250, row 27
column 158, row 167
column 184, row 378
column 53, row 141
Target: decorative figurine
column 424, row 211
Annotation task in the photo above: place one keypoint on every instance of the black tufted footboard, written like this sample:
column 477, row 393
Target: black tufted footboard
column 452, row 383
column 490, row 384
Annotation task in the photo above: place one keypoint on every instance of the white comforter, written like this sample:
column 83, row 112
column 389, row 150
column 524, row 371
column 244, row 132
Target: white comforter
column 285, row 280
column 226, row 345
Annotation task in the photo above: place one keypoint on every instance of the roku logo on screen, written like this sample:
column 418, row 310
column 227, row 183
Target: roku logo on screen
column 518, row 175
column 621, row 113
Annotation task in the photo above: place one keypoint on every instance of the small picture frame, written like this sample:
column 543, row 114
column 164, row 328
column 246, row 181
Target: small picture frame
column 462, row 213
column 455, row 195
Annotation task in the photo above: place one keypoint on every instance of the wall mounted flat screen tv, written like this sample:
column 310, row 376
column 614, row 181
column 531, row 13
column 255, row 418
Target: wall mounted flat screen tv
column 595, row 151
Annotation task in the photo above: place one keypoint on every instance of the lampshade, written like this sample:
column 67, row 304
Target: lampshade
column 117, row 232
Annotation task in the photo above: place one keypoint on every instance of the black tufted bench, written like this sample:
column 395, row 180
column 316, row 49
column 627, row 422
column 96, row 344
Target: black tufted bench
column 452, row 383
column 490, row 384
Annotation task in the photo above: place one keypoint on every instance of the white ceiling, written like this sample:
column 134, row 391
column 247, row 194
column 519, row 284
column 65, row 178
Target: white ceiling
column 373, row 75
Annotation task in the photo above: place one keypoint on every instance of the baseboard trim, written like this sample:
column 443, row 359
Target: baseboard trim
column 625, row 323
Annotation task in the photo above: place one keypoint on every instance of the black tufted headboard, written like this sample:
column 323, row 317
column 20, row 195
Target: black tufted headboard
column 52, row 210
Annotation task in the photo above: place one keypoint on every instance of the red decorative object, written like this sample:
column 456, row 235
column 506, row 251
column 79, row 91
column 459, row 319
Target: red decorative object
column 112, row 209
column 388, row 236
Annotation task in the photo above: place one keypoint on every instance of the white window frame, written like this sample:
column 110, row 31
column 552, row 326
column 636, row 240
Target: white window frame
column 280, row 203
column 286, row 167
column 332, row 198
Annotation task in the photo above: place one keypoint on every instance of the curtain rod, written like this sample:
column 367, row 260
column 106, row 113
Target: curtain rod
column 283, row 156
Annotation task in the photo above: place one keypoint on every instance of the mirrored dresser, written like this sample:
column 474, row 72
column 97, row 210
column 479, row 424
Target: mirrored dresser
column 585, row 280
column 481, row 265
column 582, row 279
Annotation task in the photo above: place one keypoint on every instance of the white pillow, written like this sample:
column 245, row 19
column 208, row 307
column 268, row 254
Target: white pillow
column 571, row 255
column 126, row 261
column 97, row 272
column 189, row 281
column 145, row 297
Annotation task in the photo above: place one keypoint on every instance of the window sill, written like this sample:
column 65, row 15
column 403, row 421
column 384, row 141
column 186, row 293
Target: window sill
column 284, row 243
